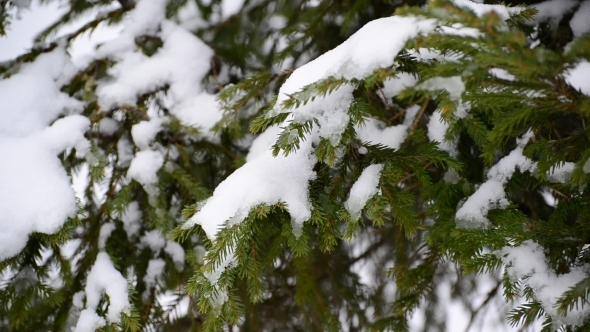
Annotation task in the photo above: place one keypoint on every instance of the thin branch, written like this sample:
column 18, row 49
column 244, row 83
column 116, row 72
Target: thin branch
column 420, row 113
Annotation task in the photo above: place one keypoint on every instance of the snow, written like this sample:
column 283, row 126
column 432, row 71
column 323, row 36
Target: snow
column 144, row 132
column 375, row 132
column 491, row 195
column 263, row 180
column 369, row 48
column 181, row 63
column 144, row 19
column 132, row 220
column 176, row 252
column 394, row 85
column 453, row 85
column 89, row 321
column 34, row 198
column 561, row 173
column 32, row 100
column 108, row 126
column 330, row 111
column 125, row 152
column 363, row 189
column 502, row 74
column 553, row 10
column 263, row 142
column 153, row 240
column 580, row 22
column 526, row 263
column 202, row 111
column 484, row 9
column 103, row 278
column 155, row 269
column 144, row 167
column 437, row 129
column 577, row 77
column 230, row 7
column 105, row 232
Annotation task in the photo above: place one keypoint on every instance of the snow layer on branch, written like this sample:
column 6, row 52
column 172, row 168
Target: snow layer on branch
column 176, row 252
column 263, row 142
column 502, row 74
column 553, row 10
column 437, row 129
column 103, row 278
column 108, row 126
column 230, row 7
column 144, row 19
column 89, row 320
column 480, row 9
column 145, row 132
column 105, row 232
column 373, row 46
column 580, row 23
column 132, row 220
column 330, row 111
column 153, row 240
column 578, row 77
column 263, row 180
column 375, row 132
column 491, row 195
column 32, row 100
column 155, row 269
column 365, row 187
column 527, row 263
column 181, row 63
column 145, row 166
column 561, row 173
column 36, row 193
column 394, row 85
column 453, row 85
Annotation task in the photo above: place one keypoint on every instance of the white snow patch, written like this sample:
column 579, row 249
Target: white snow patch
column 155, row 269
column 437, row 129
column 375, row 131
column 144, row 167
column 365, row 187
column 105, row 232
column 578, row 77
column 527, row 263
column 263, row 142
column 369, row 48
column 394, row 85
column 176, row 252
column 263, row 180
column 36, row 193
column 561, row 173
column 502, row 74
column 553, row 10
column 108, row 126
column 132, row 220
column 580, row 23
column 103, row 278
column 491, row 195
column 153, row 240
column 145, row 132
column 483, row 9
column 231, row 7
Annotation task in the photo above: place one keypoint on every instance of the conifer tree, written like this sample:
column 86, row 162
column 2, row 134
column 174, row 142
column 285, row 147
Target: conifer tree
column 298, row 165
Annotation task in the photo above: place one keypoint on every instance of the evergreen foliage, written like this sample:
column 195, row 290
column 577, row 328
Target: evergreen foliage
column 453, row 217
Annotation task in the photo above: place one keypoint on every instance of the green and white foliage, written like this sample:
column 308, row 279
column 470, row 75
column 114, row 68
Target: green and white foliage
column 298, row 165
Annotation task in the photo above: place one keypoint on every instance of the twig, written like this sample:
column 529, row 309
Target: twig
column 215, row 76
column 420, row 113
column 385, row 101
